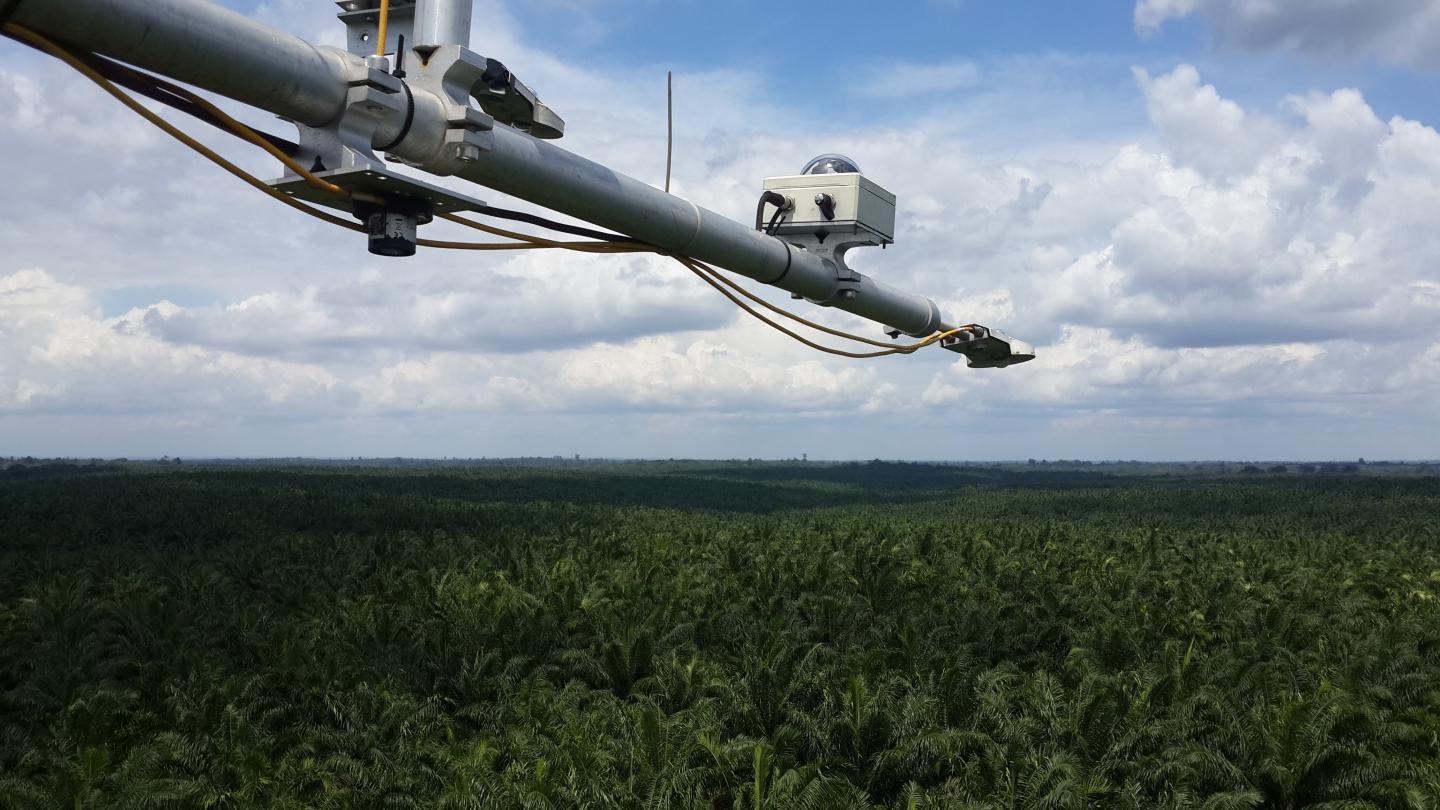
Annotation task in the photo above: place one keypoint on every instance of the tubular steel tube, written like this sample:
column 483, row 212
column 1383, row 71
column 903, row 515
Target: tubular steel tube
column 202, row 44
column 442, row 22
column 537, row 171
column 205, row 45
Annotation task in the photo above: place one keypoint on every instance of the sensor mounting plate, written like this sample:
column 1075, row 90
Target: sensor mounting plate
column 380, row 183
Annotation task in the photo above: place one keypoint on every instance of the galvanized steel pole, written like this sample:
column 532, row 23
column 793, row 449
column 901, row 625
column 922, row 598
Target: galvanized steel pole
column 442, row 22
column 208, row 46
column 202, row 44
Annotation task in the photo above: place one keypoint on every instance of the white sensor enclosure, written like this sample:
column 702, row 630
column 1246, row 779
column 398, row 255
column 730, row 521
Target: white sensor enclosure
column 862, row 210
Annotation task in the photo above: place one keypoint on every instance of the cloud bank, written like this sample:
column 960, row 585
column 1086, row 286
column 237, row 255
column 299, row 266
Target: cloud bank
column 1223, row 277
column 1405, row 32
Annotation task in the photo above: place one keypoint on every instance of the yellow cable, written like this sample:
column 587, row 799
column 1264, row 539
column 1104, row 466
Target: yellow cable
column 812, row 324
column 636, row 247
column 447, row 245
column 249, row 135
column 523, row 241
column 240, row 129
column 590, row 247
column 696, row 268
column 708, row 273
column 50, row 47
column 702, row 270
column 384, row 23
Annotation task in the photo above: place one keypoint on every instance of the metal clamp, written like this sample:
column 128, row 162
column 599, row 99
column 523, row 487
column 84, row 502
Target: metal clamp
column 848, row 281
column 512, row 102
column 448, row 72
column 372, row 95
column 392, row 206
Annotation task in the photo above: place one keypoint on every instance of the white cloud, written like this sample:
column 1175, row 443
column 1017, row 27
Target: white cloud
column 1202, row 129
column 62, row 356
column 1093, row 369
column 1307, row 224
column 22, row 97
column 530, row 301
column 1151, row 14
column 905, row 79
column 1396, row 31
column 654, row 374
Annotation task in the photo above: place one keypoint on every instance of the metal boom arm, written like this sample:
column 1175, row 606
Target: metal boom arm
column 436, row 129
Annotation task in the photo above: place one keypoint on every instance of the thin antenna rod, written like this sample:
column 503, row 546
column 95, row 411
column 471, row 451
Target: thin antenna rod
column 669, row 124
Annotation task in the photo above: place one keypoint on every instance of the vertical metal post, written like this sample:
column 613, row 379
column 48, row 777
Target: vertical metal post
column 442, row 22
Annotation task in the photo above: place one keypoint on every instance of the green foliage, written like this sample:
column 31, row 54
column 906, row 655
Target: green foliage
column 779, row 637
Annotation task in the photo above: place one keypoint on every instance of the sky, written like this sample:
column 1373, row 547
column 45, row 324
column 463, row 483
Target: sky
column 1217, row 220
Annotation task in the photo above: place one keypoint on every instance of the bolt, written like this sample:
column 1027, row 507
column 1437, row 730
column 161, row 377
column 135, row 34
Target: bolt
column 848, row 295
column 467, row 152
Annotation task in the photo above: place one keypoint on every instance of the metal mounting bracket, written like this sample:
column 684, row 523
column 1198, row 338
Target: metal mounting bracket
column 511, row 101
column 449, row 72
column 833, row 253
column 362, row 24
column 380, row 183
column 391, row 206
column 373, row 94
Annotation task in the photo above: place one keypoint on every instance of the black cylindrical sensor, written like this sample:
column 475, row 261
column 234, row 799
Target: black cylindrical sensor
column 391, row 227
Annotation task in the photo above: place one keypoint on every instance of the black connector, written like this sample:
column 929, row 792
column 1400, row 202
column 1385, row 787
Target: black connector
column 776, row 199
column 826, row 204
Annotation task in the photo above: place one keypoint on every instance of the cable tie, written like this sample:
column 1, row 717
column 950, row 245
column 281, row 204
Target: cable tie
column 409, row 118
